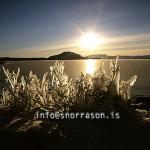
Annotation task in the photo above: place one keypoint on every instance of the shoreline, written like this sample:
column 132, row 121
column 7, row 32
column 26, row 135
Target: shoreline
column 3, row 60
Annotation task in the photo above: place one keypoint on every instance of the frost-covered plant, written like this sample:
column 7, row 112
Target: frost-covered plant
column 122, row 88
column 61, row 88
column 12, row 77
column 100, row 79
column 56, row 92
column 91, row 88
column 84, row 88
column 125, row 87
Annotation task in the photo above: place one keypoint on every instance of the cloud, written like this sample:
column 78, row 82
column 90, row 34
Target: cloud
column 128, row 44
column 128, row 38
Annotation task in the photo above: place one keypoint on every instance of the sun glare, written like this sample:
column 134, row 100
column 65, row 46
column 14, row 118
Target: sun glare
column 90, row 41
column 90, row 66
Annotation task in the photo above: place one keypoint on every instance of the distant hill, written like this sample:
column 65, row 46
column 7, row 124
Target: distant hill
column 2, row 59
column 66, row 56
column 98, row 56
column 72, row 56
column 131, row 57
column 104, row 56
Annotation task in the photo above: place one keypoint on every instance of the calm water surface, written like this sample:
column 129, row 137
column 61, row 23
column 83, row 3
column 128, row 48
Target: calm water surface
column 73, row 68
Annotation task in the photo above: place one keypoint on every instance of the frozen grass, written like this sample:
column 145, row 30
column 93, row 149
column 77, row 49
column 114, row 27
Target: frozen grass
column 55, row 92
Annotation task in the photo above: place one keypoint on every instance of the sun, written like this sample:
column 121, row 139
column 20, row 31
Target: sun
column 90, row 41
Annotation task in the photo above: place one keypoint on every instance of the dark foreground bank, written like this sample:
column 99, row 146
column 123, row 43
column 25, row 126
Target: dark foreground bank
column 131, row 131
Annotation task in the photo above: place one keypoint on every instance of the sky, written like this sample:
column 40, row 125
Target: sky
column 40, row 28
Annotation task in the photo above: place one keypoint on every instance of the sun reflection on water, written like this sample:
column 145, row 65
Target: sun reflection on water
column 90, row 66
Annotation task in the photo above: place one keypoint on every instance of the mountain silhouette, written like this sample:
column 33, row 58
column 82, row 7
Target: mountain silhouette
column 66, row 56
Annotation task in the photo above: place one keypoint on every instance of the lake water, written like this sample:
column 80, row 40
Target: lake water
column 73, row 68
